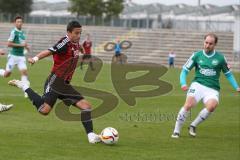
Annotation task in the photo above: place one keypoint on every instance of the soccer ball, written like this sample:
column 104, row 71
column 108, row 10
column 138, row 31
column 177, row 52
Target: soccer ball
column 109, row 135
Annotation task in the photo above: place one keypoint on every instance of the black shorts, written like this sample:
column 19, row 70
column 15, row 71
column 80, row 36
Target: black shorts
column 118, row 55
column 56, row 88
column 87, row 56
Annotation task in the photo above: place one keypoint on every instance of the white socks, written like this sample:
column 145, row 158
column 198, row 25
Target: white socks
column 201, row 117
column 25, row 87
column 24, row 78
column 2, row 71
column 182, row 115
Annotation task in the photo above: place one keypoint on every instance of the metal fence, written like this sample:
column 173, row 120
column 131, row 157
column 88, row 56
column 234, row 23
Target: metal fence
column 203, row 25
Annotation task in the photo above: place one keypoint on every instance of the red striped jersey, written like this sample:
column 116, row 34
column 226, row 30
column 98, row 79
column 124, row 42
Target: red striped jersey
column 65, row 57
column 87, row 46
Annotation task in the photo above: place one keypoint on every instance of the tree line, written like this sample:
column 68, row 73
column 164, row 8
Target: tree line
column 100, row 8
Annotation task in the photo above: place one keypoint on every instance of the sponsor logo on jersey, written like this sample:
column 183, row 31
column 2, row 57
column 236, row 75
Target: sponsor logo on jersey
column 208, row 72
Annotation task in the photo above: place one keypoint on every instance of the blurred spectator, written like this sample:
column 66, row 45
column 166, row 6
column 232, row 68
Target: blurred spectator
column 87, row 45
column 118, row 50
column 171, row 58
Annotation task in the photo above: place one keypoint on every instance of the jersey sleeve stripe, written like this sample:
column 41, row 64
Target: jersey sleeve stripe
column 12, row 35
column 52, row 49
column 186, row 68
column 63, row 43
column 227, row 72
column 59, row 45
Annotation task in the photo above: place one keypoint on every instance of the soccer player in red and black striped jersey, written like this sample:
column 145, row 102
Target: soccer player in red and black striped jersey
column 87, row 46
column 65, row 56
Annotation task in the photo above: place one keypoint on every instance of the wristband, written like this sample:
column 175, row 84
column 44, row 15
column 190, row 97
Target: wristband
column 35, row 59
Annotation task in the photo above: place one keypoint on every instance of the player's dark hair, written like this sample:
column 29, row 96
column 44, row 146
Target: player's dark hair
column 18, row 17
column 212, row 35
column 73, row 24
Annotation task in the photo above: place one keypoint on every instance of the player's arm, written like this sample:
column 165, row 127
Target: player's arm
column 230, row 77
column 39, row 56
column 58, row 48
column 185, row 70
column 228, row 74
column 183, row 77
column 10, row 42
column 23, row 45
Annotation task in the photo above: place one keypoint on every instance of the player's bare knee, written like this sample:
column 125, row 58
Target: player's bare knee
column 43, row 113
column 211, row 108
column 211, row 105
column 83, row 104
column 45, row 110
column 7, row 74
column 188, row 105
column 24, row 72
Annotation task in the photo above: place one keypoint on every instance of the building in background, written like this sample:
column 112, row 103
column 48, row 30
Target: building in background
column 179, row 16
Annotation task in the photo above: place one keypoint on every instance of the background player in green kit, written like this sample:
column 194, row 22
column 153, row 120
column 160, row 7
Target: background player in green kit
column 17, row 44
column 208, row 64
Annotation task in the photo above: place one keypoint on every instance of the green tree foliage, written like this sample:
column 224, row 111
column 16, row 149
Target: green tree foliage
column 83, row 7
column 15, row 7
column 113, row 7
column 96, row 7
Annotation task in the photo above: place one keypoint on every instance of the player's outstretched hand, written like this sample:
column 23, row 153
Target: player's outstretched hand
column 31, row 61
column 2, row 52
column 184, row 88
column 238, row 89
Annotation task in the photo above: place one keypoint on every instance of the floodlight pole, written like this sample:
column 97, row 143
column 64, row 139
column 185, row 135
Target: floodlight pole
column 199, row 3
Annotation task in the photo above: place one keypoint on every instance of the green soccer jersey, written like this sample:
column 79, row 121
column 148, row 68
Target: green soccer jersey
column 18, row 37
column 207, row 68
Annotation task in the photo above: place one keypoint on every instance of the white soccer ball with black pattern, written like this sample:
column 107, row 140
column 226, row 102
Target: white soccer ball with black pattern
column 109, row 135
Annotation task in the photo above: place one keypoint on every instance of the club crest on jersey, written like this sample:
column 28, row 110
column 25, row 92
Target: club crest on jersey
column 214, row 62
column 75, row 52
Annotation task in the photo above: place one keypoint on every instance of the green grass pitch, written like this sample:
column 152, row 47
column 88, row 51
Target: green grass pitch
column 27, row 135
